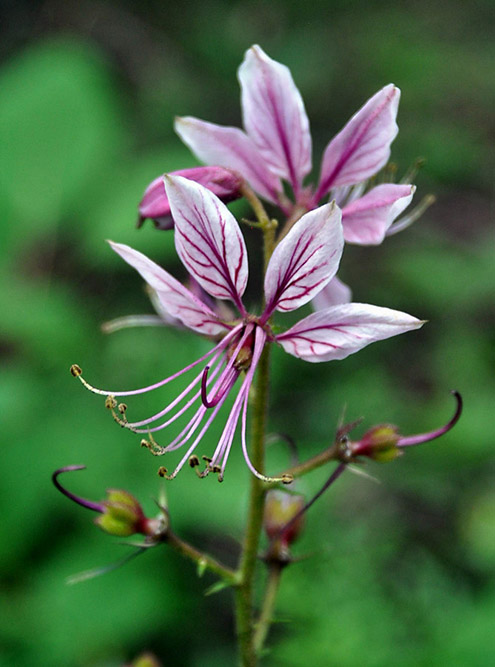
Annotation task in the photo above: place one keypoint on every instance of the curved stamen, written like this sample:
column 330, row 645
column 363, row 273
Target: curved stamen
column 77, row 372
column 225, row 375
column 197, row 439
column 130, row 321
column 259, row 343
column 426, row 437
column 96, row 507
column 407, row 220
column 225, row 387
column 180, row 412
column 170, row 406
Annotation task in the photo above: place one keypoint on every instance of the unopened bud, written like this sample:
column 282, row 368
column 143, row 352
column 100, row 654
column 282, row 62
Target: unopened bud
column 119, row 514
column 224, row 183
column 380, row 443
column 122, row 514
column 281, row 521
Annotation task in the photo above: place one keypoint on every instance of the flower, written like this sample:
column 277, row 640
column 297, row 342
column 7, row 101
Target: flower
column 276, row 144
column 210, row 244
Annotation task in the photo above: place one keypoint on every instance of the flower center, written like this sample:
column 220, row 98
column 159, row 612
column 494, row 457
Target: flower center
column 244, row 356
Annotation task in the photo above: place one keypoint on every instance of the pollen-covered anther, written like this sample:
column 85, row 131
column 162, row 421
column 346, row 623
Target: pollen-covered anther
column 122, row 407
column 193, row 461
column 207, row 459
column 110, row 403
column 287, row 478
column 75, row 370
column 216, row 469
column 162, row 471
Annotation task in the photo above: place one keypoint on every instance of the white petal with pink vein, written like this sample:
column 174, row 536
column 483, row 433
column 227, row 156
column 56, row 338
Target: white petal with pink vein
column 367, row 219
column 229, row 147
column 208, row 239
column 174, row 298
column 274, row 115
column 305, row 260
column 339, row 331
column 362, row 147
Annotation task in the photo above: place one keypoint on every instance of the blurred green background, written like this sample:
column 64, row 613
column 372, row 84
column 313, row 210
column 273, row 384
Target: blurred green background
column 400, row 572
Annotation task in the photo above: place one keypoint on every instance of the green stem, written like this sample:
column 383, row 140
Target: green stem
column 201, row 559
column 247, row 566
column 329, row 454
column 266, row 615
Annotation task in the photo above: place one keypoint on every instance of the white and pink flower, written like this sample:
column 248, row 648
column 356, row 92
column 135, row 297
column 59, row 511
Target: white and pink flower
column 211, row 246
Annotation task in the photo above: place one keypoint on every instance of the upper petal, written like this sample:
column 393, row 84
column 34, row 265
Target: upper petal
column 362, row 147
column 155, row 205
column 305, row 260
column 208, row 239
column 231, row 148
column 367, row 219
column 174, row 298
column 274, row 115
column 339, row 331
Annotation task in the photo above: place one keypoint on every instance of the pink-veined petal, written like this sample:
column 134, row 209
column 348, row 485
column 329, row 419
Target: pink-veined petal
column 208, row 239
column 224, row 183
column 174, row 298
column 333, row 294
column 367, row 219
column 305, row 260
column 229, row 147
column 337, row 332
column 362, row 147
column 274, row 116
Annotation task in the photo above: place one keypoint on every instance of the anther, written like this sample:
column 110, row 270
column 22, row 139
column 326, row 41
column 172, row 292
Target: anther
column 110, row 403
column 207, row 459
column 122, row 407
column 162, row 471
column 216, row 469
column 75, row 370
column 287, row 478
column 193, row 461
column 144, row 443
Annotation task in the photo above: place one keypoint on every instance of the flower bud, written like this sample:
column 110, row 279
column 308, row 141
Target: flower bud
column 120, row 514
column 380, row 443
column 280, row 522
column 224, row 183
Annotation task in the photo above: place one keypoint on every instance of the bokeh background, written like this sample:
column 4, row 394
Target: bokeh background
column 400, row 570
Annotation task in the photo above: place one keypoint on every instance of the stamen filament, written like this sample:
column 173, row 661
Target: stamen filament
column 76, row 371
column 407, row 220
column 177, row 400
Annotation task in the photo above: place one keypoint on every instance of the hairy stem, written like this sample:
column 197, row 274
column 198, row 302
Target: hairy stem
column 202, row 560
column 266, row 615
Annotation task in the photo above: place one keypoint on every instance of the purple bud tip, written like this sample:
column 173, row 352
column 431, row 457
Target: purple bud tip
column 431, row 435
column 96, row 507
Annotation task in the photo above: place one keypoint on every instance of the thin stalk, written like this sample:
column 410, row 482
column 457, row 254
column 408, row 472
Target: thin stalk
column 330, row 454
column 266, row 615
column 201, row 559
